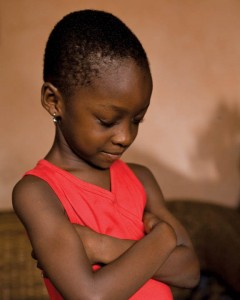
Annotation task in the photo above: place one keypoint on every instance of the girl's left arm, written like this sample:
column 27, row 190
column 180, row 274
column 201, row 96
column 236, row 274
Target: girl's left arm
column 182, row 267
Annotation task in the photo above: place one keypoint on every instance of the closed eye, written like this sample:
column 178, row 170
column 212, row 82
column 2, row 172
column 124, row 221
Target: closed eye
column 107, row 124
column 138, row 121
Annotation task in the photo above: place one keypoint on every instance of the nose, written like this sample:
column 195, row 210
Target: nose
column 124, row 135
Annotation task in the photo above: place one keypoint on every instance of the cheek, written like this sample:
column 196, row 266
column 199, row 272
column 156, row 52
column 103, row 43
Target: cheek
column 84, row 134
column 134, row 132
column 92, row 137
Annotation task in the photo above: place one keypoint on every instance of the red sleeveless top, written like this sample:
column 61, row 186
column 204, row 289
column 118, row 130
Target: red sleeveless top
column 86, row 204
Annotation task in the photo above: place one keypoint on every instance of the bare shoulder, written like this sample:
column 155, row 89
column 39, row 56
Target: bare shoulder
column 31, row 196
column 142, row 172
column 27, row 185
column 147, row 179
column 155, row 201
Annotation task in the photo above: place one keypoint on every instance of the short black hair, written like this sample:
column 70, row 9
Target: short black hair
column 82, row 43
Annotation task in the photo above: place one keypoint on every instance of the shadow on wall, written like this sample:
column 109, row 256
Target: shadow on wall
column 217, row 147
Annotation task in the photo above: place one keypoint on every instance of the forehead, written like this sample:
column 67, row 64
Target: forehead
column 120, row 84
column 125, row 80
column 124, row 74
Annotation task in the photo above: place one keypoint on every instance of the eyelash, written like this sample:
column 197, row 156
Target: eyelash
column 107, row 124
column 138, row 121
column 111, row 124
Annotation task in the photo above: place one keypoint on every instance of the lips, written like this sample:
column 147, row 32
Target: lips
column 113, row 155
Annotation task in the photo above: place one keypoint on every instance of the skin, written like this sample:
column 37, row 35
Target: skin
column 96, row 125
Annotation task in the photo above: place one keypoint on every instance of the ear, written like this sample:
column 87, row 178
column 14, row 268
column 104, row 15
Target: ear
column 51, row 99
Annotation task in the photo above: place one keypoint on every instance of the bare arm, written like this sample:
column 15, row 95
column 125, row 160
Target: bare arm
column 182, row 266
column 102, row 248
column 61, row 252
column 180, row 269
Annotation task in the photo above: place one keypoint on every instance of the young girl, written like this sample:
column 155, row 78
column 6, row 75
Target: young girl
column 99, row 227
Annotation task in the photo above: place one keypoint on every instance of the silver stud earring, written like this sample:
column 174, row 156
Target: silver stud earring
column 55, row 118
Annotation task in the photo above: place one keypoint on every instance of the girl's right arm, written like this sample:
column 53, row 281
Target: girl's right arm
column 62, row 255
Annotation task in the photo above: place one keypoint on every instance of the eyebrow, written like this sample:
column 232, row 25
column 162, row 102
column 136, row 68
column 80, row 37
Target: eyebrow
column 120, row 109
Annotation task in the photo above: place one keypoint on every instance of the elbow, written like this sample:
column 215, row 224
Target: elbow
column 193, row 275
column 192, row 281
column 193, row 271
column 90, row 296
column 95, row 295
column 196, row 274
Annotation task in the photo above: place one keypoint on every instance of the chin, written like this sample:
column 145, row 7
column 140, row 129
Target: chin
column 101, row 165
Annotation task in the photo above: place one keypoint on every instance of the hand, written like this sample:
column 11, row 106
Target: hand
column 101, row 248
column 150, row 221
column 92, row 242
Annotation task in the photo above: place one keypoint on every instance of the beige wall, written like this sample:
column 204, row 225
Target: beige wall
column 191, row 135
